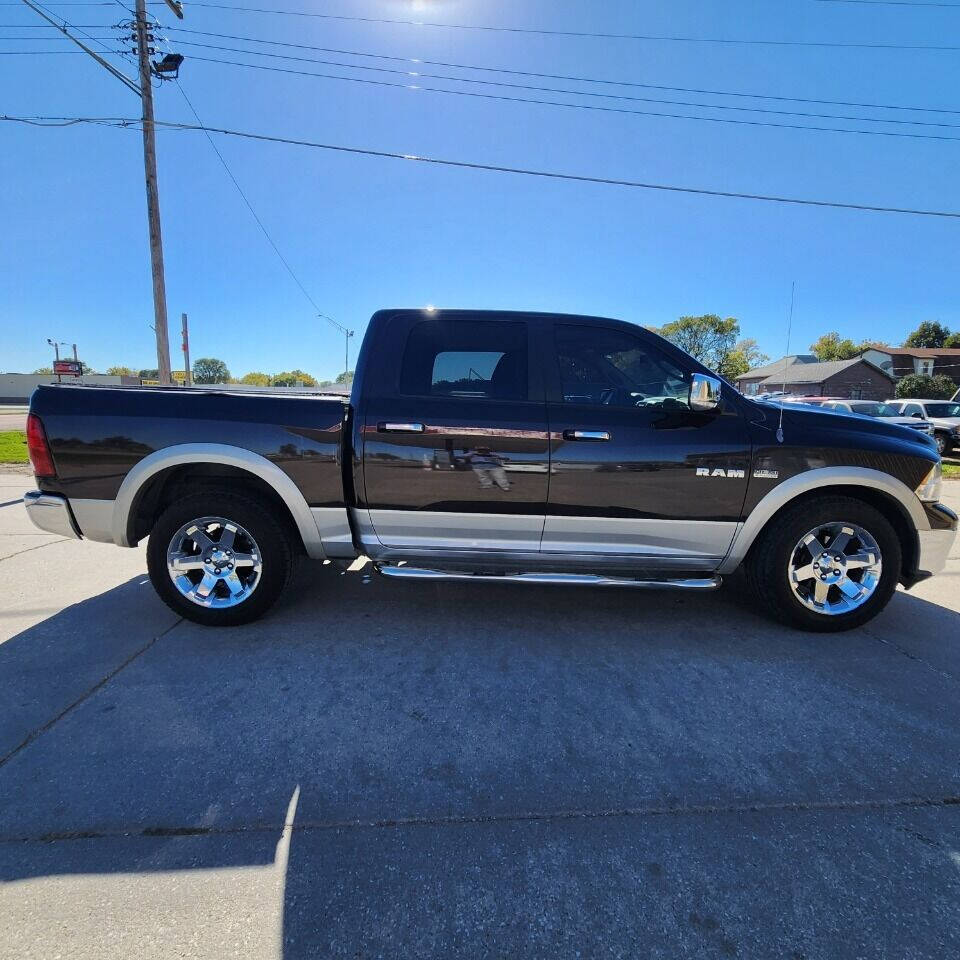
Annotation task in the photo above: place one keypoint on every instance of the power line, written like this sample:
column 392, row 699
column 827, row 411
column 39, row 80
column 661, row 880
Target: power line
column 346, row 333
column 556, row 76
column 495, row 168
column 878, row 3
column 580, row 106
column 568, row 92
column 524, row 73
column 246, row 200
column 45, row 14
column 574, row 33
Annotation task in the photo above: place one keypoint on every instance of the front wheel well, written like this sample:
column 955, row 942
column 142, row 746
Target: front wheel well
column 167, row 486
column 888, row 505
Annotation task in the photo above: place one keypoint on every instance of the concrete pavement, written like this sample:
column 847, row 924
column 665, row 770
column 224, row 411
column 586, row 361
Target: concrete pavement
column 439, row 770
column 12, row 418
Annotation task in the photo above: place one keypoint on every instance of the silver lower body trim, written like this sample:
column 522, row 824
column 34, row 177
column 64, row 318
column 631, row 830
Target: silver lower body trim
column 624, row 537
column 630, row 536
column 935, row 547
column 94, row 518
column 333, row 525
column 413, row 529
column 51, row 513
column 564, row 579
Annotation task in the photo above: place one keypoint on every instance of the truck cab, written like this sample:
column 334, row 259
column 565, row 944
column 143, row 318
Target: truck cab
column 574, row 441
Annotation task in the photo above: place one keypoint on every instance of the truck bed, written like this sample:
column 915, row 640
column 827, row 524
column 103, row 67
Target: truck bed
column 98, row 434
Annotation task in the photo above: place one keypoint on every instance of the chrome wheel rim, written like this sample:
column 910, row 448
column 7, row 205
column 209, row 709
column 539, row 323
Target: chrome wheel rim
column 835, row 568
column 214, row 562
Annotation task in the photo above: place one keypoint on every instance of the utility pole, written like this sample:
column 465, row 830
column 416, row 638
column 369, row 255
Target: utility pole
column 187, row 382
column 153, row 200
column 347, row 334
column 168, row 67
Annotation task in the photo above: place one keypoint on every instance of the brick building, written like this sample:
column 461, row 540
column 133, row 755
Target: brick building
column 802, row 376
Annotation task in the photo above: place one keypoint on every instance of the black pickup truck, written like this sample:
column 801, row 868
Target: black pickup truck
column 480, row 445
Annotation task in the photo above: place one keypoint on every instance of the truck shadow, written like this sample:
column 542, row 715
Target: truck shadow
column 436, row 704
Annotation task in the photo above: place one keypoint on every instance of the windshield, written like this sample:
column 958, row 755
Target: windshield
column 875, row 409
column 943, row 409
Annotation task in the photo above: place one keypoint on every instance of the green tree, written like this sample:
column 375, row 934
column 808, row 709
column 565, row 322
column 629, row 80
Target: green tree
column 148, row 374
column 925, row 387
column 43, row 371
column 256, row 379
column 831, row 347
column 743, row 357
column 953, row 341
column 210, row 370
column 928, row 334
column 120, row 372
column 345, row 377
column 708, row 338
column 291, row 378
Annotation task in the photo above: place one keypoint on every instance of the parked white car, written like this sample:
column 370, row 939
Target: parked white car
column 942, row 415
column 875, row 408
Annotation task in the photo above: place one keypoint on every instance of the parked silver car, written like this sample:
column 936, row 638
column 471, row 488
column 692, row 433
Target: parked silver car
column 874, row 408
column 942, row 415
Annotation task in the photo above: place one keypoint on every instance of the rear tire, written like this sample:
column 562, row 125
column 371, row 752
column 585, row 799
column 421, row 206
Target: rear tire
column 810, row 585
column 214, row 583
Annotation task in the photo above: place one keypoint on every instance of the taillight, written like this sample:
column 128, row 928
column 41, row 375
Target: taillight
column 38, row 448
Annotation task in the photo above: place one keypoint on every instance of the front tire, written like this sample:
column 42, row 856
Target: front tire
column 826, row 565
column 219, row 559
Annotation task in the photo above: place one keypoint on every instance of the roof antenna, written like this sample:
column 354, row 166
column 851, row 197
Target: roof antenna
column 793, row 285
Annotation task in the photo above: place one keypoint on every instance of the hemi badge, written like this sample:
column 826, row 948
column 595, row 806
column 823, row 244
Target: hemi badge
column 766, row 474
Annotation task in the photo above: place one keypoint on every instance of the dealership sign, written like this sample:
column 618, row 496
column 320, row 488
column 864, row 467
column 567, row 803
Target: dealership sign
column 67, row 368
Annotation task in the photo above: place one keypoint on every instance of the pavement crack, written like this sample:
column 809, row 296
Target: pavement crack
column 305, row 826
column 912, row 656
column 39, row 546
column 43, row 728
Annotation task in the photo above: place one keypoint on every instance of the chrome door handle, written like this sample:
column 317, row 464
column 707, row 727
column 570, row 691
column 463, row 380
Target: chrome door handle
column 390, row 427
column 586, row 435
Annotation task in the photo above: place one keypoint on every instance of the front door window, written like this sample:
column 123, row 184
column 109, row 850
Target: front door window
column 611, row 368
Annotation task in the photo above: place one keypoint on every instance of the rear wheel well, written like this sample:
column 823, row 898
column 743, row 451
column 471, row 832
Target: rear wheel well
column 167, row 486
column 889, row 506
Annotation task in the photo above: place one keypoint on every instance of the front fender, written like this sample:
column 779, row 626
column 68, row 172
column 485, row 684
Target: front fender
column 820, row 479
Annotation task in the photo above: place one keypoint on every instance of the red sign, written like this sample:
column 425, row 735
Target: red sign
column 67, row 368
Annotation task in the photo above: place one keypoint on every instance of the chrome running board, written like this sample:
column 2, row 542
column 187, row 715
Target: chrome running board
column 566, row 579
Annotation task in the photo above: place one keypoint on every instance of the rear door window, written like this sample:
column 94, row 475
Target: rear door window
column 466, row 359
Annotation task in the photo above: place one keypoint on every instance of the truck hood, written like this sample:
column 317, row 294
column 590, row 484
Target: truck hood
column 802, row 424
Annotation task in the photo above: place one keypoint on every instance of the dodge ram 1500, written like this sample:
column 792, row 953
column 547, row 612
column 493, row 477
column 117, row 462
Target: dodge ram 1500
column 481, row 445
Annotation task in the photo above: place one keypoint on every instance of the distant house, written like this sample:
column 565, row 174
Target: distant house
column 750, row 382
column 903, row 361
column 801, row 375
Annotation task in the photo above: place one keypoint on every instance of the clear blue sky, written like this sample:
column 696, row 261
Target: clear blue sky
column 365, row 233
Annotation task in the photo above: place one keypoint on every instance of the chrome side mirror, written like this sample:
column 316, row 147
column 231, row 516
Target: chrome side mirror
column 704, row 393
